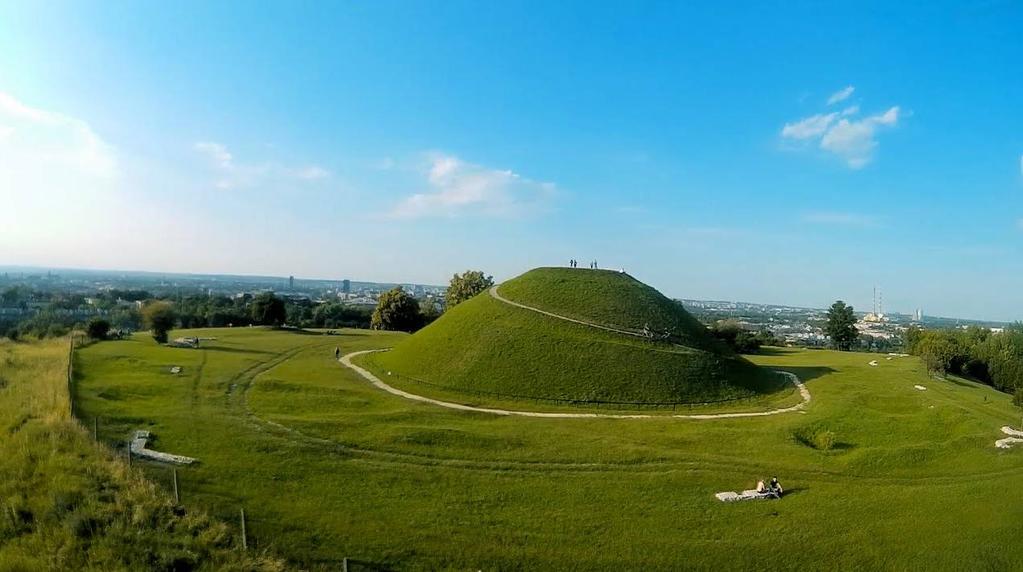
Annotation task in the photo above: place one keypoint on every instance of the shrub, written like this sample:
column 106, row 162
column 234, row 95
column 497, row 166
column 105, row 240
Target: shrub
column 98, row 328
column 160, row 318
column 816, row 437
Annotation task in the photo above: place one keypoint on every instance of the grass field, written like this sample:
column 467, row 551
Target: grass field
column 328, row 467
column 67, row 504
column 492, row 351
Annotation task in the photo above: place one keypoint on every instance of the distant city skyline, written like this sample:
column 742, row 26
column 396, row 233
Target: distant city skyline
column 788, row 154
column 345, row 285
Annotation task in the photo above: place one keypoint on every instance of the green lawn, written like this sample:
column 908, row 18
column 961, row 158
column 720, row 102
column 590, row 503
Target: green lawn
column 328, row 466
column 67, row 503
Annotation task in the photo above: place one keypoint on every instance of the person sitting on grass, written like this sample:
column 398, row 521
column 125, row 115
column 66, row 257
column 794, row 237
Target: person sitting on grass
column 775, row 486
column 760, row 486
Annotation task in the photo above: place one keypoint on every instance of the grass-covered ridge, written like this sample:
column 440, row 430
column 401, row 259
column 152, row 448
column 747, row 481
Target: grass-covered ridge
column 485, row 347
column 610, row 298
column 67, row 504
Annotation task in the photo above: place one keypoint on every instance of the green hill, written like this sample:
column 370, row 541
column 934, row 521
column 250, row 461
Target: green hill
column 488, row 347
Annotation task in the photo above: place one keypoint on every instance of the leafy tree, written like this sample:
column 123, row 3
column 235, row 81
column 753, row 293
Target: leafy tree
column 465, row 286
column 841, row 326
column 938, row 352
column 159, row 318
column 268, row 310
column 737, row 337
column 98, row 328
column 1017, row 400
column 335, row 315
column 397, row 310
column 13, row 334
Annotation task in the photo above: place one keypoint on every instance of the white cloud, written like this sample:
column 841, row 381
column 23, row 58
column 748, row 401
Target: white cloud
column 51, row 141
column 854, row 141
column 839, row 218
column 459, row 188
column 841, row 95
column 60, row 182
column 312, row 173
column 809, row 127
column 842, row 134
column 217, row 152
column 232, row 174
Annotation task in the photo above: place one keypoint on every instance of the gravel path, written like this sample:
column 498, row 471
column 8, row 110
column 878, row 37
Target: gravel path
column 497, row 296
column 346, row 361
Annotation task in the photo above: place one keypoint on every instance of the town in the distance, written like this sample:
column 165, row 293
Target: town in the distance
column 41, row 302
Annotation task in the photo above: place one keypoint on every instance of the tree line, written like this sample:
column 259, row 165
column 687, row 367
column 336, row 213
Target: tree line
column 974, row 352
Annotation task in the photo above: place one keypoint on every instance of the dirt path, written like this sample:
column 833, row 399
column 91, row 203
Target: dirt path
column 346, row 361
column 497, row 296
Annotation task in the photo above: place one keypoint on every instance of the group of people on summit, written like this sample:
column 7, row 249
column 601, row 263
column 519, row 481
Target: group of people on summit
column 575, row 264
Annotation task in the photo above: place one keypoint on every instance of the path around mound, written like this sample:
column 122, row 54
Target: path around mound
column 346, row 361
column 376, row 381
column 497, row 296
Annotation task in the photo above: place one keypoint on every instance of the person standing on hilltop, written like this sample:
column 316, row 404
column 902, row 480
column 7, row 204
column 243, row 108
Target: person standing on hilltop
column 337, row 352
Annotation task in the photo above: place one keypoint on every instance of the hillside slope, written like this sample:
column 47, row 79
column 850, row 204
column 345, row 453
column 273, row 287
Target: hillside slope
column 68, row 504
column 485, row 346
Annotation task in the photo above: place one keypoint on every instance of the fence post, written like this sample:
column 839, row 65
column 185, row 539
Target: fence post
column 70, row 392
column 129, row 453
column 177, row 497
column 245, row 538
column 344, row 564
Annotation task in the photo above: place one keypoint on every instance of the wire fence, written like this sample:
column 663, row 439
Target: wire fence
column 575, row 402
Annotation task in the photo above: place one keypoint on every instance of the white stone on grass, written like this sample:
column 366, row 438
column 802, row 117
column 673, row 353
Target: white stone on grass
column 138, row 448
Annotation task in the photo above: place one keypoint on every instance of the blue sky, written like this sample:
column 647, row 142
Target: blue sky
column 784, row 153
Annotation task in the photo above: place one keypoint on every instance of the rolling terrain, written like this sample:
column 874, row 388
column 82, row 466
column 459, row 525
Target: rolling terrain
column 328, row 466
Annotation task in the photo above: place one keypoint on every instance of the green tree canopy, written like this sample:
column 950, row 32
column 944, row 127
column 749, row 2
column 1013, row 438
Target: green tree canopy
column 98, row 328
column 465, row 286
column 159, row 318
column 268, row 310
column 397, row 310
column 841, row 326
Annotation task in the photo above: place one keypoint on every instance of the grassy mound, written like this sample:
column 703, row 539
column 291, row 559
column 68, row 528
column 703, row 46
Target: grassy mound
column 610, row 298
column 487, row 347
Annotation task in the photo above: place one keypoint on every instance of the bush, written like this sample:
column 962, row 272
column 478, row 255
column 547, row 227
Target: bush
column 816, row 437
column 160, row 318
column 98, row 328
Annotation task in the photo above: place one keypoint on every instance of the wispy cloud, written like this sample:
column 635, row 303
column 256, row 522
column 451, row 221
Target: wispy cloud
column 1021, row 164
column 232, row 174
column 852, row 138
column 460, row 188
column 809, row 127
column 839, row 218
column 841, row 95
column 54, row 139
column 59, row 179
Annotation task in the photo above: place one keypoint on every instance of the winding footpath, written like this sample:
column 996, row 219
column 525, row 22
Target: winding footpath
column 346, row 361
